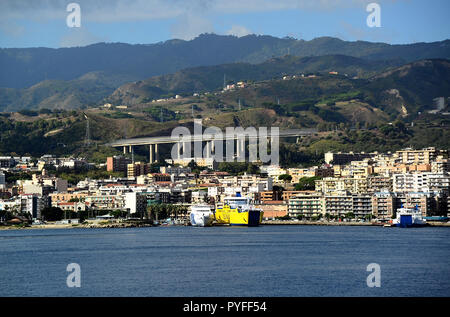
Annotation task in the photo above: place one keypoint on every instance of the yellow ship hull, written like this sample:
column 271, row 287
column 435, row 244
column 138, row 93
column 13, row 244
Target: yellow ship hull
column 233, row 217
column 222, row 216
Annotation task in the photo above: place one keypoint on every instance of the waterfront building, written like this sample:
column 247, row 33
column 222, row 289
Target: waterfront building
column 384, row 205
column 362, row 206
column 71, row 206
column 106, row 202
column 338, row 204
column 273, row 209
column 33, row 204
column 136, row 203
column 306, row 204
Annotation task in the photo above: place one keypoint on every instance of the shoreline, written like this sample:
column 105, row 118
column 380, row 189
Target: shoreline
column 82, row 226
column 324, row 223
column 142, row 225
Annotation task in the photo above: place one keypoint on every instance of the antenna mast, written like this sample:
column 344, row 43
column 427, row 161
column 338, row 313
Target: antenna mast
column 87, row 138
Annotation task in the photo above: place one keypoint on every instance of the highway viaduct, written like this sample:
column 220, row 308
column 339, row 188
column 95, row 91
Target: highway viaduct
column 209, row 139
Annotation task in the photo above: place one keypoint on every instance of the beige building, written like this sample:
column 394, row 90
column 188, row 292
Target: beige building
column 136, row 169
column 424, row 156
column 307, row 204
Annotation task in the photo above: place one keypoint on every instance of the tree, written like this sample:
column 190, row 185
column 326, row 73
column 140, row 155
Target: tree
column 117, row 213
column 307, row 183
column 52, row 213
column 350, row 215
column 285, row 178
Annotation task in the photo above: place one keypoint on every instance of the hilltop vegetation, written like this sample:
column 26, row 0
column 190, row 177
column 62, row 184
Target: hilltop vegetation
column 26, row 67
column 374, row 103
column 77, row 77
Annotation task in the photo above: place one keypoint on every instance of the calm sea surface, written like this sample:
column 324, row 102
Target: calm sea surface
column 226, row 261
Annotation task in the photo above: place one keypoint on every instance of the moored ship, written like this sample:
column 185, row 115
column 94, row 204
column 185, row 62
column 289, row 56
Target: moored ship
column 201, row 215
column 238, row 211
column 409, row 217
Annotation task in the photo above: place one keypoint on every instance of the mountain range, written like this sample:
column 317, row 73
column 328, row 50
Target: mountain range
column 72, row 78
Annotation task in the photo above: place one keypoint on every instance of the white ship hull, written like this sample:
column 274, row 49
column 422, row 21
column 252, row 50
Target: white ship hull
column 201, row 216
column 407, row 218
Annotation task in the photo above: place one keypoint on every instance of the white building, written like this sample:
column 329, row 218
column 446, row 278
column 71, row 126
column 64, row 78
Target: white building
column 421, row 182
column 2, row 180
column 135, row 203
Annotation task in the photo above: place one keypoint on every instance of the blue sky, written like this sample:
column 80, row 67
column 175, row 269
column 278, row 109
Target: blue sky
column 42, row 23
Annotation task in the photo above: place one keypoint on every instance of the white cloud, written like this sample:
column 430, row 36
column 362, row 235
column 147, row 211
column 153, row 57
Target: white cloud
column 192, row 17
column 132, row 10
column 239, row 30
column 189, row 26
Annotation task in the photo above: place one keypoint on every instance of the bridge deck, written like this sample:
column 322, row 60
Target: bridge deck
column 204, row 137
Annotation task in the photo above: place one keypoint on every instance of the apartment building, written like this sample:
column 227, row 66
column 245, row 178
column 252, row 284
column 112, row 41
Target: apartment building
column 421, row 182
column 136, row 203
column 441, row 165
column 60, row 198
column 379, row 183
column 33, row 204
column 117, row 163
column 307, row 205
column 357, row 185
column 424, row 156
column 384, row 204
column 137, row 169
column 338, row 204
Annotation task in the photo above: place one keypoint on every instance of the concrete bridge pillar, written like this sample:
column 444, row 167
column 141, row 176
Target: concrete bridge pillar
column 151, row 154
column 208, row 149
